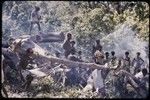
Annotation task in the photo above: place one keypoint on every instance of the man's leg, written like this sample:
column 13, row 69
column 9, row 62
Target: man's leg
column 27, row 84
column 38, row 23
column 21, row 76
column 66, row 53
column 31, row 25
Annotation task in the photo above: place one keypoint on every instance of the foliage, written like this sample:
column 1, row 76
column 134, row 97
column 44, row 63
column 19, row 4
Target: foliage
column 85, row 19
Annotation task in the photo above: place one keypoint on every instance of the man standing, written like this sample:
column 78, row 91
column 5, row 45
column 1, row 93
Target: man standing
column 35, row 18
column 67, row 45
column 98, row 46
column 137, row 63
column 126, row 62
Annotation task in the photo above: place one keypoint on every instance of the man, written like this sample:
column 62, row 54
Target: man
column 138, row 81
column 98, row 57
column 97, row 47
column 62, row 76
column 107, row 59
column 73, row 74
column 126, row 62
column 25, row 59
column 118, row 81
column 35, row 18
column 72, row 49
column 11, row 60
column 27, row 83
column 96, row 82
column 137, row 63
column 79, row 55
column 113, row 58
column 67, row 45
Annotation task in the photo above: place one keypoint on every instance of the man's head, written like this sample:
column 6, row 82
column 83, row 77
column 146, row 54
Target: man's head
column 138, row 70
column 69, row 36
column 144, row 71
column 29, row 51
column 79, row 52
column 97, row 41
column 113, row 53
column 72, row 43
column 57, row 54
column 138, row 54
column 37, row 8
column 126, row 53
column 106, row 54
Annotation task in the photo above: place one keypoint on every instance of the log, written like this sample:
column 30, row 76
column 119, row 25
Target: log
column 69, row 63
column 49, row 37
column 41, row 56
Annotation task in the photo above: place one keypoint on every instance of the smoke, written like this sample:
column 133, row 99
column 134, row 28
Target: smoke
column 124, row 39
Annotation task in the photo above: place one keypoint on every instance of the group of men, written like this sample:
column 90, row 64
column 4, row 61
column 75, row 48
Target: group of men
column 15, row 62
column 121, row 73
column 77, row 75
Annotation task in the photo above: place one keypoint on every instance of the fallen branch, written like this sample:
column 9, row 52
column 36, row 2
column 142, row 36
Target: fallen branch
column 69, row 63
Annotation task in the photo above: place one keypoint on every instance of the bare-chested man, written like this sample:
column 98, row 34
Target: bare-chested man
column 126, row 62
column 35, row 18
column 25, row 60
column 107, row 58
column 72, row 46
column 99, row 57
column 138, row 81
column 98, row 46
column 67, row 45
column 137, row 63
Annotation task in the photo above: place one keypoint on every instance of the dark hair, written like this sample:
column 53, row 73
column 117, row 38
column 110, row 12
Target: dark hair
column 37, row 8
column 138, row 53
column 29, row 50
column 97, row 41
column 79, row 52
column 144, row 71
column 126, row 53
column 106, row 53
column 113, row 53
column 68, row 34
column 138, row 70
column 57, row 53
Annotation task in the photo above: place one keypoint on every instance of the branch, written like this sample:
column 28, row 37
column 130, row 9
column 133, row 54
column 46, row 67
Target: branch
column 69, row 63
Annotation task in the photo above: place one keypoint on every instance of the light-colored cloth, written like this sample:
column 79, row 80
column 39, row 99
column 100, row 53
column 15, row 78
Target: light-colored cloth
column 98, row 80
column 95, row 80
column 139, row 75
